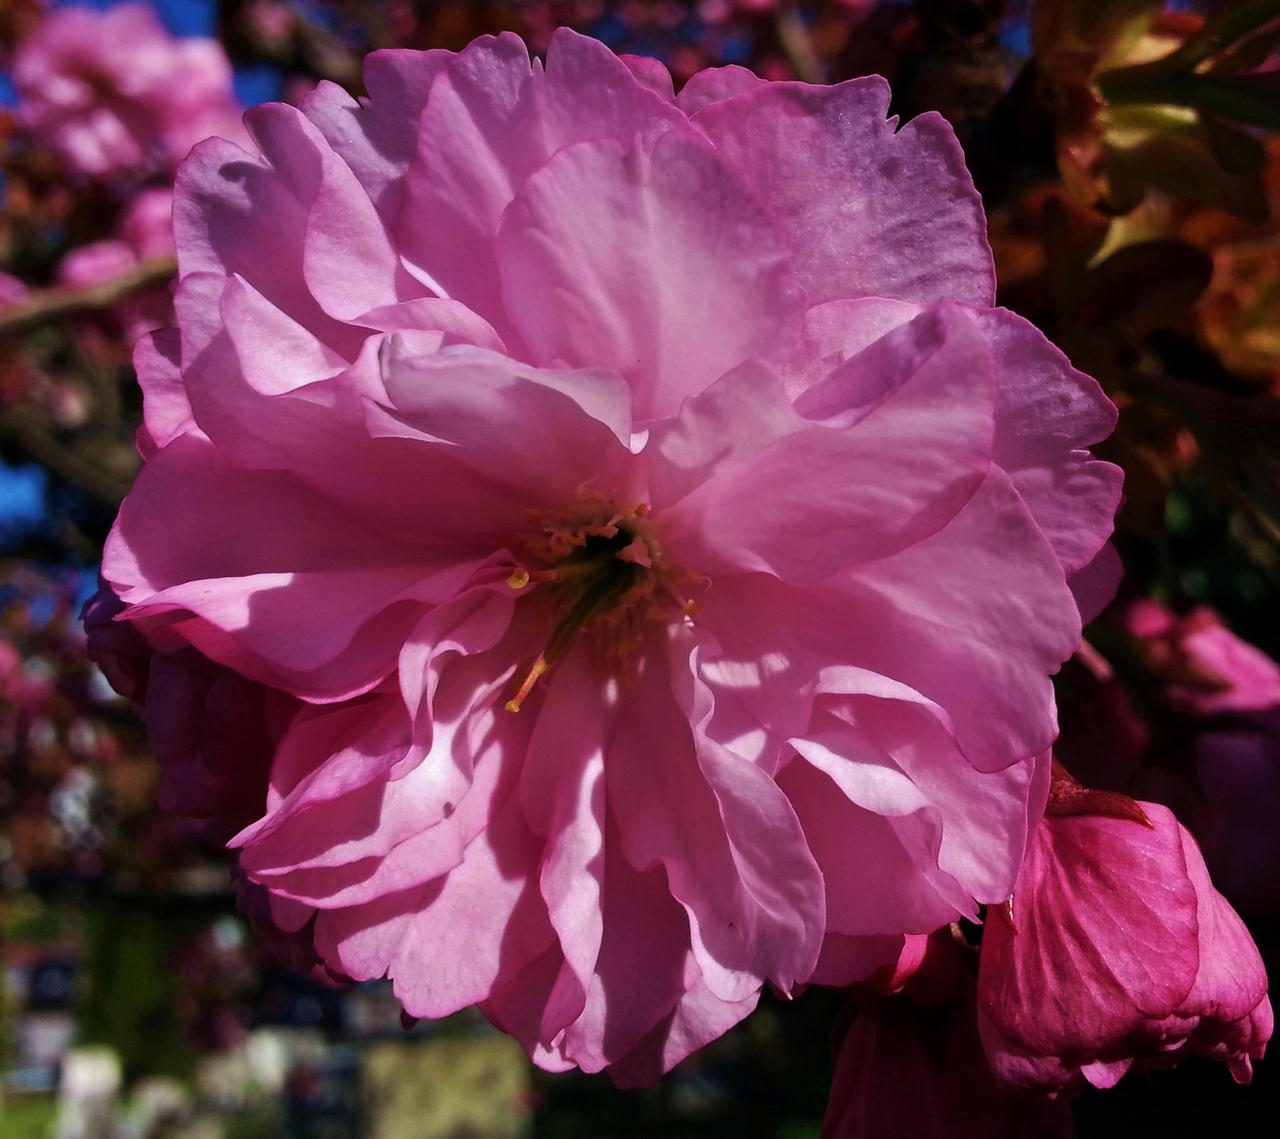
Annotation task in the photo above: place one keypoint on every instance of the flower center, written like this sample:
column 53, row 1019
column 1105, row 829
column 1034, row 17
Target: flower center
column 608, row 574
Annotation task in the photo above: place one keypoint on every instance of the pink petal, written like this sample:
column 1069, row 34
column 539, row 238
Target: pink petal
column 838, row 492
column 540, row 435
column 166, row 409
column 234, row 213
column 448, row 944
column 1106, row 936
column 634, row 276
column 563, row 796
column 348, row 263
column 377, row 137
column 700, row 1017
column 642, row 972
column 834, row 178
column 1043, row 422
column 715, row 85
column 489, row 123
column 293, row 555
column 929, row 618
column 729, row 841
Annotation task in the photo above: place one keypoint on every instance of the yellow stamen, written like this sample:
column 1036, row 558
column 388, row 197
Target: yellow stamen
column 518, row 579
column 540, row 666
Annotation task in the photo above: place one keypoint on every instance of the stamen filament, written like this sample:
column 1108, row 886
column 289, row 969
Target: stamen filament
column 540, row 666
column 599, row 596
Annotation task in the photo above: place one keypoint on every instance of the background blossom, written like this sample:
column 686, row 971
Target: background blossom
column 113, row 92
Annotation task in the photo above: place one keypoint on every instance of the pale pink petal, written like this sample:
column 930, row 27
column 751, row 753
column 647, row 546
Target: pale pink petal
column 715, row 85
column 651, row 73
column 562, row 792
column 166, row 408
column 540, row 435
column 881, row 875
column 700, row 1017
column 641, row 972
column 377, row 137
column 348, row 263
column 1000, row 699
column 234, row 213
column 729, row 840
column 489, row 123
column 1072, row 497
column 835, row 177
column 450, row 943
column 919, row 615
column 632, row 277
column 875, row 481
column 293, row 554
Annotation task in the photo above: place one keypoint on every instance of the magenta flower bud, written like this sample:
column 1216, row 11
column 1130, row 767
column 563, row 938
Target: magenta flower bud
column 1119, row 953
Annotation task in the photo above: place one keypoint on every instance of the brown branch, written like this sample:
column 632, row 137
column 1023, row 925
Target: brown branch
column 53, row 304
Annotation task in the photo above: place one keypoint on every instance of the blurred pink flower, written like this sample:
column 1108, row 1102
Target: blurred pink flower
column 112, row 91
column 96, row 263
column 12, row 290
column 145, row 231
column 1207, row 667
column 147, row 223
column 1120, row 952
column 619, row 480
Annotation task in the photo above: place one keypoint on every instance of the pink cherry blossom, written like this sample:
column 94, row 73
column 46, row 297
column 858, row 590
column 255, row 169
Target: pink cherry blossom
column 1120, row 952
column 1208, row 668
column 145, row 230
column 147, row 223
column 96, row 263
column 669, row 544
column 111, row 92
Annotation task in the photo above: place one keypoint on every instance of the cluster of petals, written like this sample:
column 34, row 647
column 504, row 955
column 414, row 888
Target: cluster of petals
column 1119, row 952
column 616, row 481
column 113, row 92
column 911, row 1064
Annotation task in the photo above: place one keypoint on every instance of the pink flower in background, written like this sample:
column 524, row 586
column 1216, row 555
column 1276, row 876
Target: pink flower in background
column 96, row 263
column 619, row 481
column 145, row 230
column 12, row 290
column 147, row 223
column 111, row 92
column 1207, row 667
column 1120, row 952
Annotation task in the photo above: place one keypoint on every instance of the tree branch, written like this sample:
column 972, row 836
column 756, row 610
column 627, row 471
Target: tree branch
column 53, row 304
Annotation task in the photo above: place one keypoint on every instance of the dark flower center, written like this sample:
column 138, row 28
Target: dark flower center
column 607, row 573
